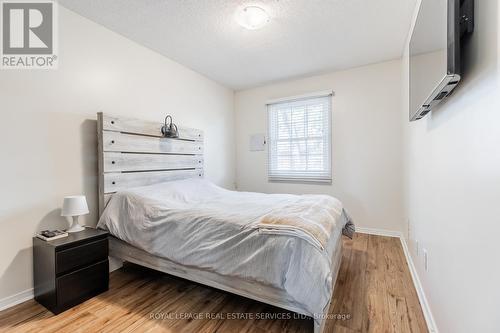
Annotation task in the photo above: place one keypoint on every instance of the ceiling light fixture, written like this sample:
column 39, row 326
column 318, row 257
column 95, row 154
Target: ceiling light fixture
column 252, row 17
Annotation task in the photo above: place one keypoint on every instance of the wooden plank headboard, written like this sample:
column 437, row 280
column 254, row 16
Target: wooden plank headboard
column 133, row 153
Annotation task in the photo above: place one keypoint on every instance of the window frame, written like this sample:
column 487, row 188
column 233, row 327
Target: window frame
column 302, row 178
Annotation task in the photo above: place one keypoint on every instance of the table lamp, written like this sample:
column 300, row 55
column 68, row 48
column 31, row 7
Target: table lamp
column 75, row 206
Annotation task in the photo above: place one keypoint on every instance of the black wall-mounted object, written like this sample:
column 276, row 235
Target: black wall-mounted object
column 67, row 271
column 169, row 129
column 436, row 52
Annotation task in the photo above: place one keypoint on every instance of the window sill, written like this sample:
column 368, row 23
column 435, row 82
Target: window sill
column 319, row 181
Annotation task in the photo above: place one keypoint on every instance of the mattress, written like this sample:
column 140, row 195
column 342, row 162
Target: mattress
column 197, row 224
column 247, row 288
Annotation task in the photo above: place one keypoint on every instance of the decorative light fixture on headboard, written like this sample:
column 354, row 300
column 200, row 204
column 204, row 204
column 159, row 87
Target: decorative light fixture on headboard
column 169, row 130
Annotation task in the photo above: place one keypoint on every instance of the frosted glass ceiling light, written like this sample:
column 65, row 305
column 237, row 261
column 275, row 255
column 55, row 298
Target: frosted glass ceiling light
column 252, row 17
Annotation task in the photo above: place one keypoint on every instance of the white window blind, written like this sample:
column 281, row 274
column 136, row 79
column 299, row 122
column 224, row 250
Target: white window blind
column 300, row 139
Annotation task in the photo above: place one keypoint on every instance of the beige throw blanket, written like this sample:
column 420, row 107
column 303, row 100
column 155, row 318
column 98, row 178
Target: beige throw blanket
column 312, row 218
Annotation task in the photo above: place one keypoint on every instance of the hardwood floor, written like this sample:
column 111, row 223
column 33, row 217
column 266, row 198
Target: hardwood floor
column 374, row 293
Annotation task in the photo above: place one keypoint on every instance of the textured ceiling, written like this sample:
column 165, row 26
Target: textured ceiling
column 303, row 37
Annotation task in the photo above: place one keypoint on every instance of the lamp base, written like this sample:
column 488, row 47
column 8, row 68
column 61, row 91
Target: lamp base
column 75, row 226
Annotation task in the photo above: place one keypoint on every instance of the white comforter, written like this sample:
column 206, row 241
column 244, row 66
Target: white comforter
column 196, row 223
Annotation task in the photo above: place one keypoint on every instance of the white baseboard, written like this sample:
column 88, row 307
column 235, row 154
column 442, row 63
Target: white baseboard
column 10, row 301
column 429, row 319
column 378, row 232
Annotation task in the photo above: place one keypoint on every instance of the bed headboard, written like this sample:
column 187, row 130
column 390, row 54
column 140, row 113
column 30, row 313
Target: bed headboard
column 133, row 153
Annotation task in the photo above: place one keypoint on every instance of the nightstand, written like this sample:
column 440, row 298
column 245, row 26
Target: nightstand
column 67, row 271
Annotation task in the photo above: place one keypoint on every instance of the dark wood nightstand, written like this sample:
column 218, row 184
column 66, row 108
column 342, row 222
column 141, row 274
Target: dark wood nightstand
column 70, row 270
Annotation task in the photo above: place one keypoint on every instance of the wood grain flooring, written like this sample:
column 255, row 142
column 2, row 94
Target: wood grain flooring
column 374, row 293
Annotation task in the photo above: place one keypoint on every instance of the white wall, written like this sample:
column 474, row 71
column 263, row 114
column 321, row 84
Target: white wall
column 48, row 129
column 366, row 141
column 452, row 177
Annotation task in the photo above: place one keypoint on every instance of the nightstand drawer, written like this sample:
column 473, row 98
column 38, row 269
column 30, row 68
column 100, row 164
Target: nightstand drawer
column 80, row 256
column 80, row 285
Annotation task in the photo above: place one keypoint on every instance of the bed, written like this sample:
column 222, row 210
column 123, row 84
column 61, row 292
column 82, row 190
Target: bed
column 164, row 215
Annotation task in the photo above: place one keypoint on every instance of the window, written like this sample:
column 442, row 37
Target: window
column 300, row 138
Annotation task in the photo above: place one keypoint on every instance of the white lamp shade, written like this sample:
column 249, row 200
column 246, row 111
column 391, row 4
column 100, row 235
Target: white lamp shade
column 74, row 206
